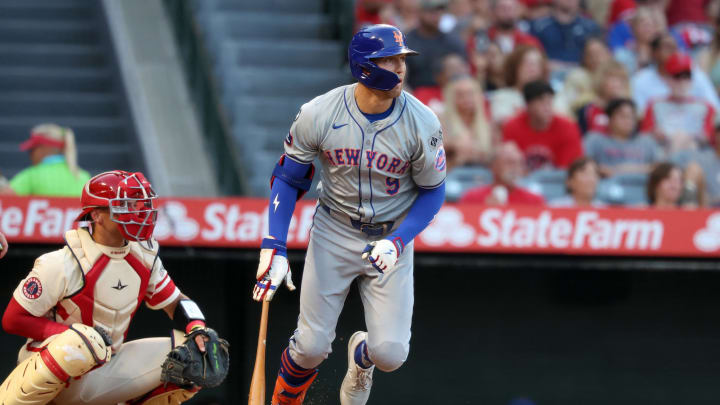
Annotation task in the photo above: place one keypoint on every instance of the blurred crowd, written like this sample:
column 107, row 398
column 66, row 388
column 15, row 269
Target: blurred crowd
column 614, row 100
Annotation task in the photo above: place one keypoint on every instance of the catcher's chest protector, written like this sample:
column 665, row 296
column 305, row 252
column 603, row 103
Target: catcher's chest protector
column 115, row 282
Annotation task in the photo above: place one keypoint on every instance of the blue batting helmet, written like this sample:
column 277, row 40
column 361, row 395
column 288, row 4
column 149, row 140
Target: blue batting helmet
column 376, row 41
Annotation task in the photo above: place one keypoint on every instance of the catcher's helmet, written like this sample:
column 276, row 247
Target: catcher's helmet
column 376, row 41
column 130, row 198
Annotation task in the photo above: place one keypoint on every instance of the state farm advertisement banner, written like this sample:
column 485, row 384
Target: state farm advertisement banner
column 242, row 222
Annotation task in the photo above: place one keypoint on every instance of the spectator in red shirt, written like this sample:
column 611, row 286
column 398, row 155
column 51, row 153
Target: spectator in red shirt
column 680, row 121
column 543, row 136
column 508, row 167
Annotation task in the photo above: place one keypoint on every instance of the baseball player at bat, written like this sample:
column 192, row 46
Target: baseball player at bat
column 76, row 304
column 382, row 174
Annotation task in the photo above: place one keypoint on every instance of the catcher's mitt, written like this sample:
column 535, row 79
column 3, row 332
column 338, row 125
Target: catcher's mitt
column 186, row 365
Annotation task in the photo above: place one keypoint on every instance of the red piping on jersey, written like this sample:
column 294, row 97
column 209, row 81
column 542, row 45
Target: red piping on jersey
column 85, row 299
column 144, row 274
column 159, row 296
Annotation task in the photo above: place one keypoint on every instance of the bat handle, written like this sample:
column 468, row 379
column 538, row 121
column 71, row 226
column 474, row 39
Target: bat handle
column 257, row 386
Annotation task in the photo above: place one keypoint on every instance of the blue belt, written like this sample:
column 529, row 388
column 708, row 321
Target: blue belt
column 368, row 228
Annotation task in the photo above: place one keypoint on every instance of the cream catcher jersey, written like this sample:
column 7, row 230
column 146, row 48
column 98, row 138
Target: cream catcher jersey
column 369, row 171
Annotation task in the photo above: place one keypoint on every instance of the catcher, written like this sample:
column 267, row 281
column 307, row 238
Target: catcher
column 76, row 305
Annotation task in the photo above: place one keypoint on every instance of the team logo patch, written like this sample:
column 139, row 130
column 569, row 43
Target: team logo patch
column 440, row 160
column 289, row 139
column 32, row 288
column 398, row 38
column 433, row 142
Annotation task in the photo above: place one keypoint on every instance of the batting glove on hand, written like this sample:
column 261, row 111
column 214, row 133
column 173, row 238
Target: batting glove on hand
column 272, row 270
column 383, row 255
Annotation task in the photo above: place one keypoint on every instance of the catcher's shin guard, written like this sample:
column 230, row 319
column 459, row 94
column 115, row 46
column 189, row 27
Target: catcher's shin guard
column 166, row 394
column 43, row 375
column 288, row 394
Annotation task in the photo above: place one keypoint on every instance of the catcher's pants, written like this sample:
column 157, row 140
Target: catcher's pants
column 332, row 262
column 133, row 371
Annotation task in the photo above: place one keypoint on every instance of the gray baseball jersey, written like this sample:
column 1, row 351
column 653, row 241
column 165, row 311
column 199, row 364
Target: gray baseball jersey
column 369, row 171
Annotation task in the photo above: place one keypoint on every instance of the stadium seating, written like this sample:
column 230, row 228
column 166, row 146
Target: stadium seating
column 460, row 179
column 270, row 57
column 57, row 66
column 548, row 182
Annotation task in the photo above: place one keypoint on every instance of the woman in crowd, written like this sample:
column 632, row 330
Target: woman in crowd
column 581, row 184
column 610, row 81
column 467, row 133
column 646, row 24
column 489, row 67
column 669, row 187
column 621, row 150
column 524, row 65
column 664, row 187
column 578, row 88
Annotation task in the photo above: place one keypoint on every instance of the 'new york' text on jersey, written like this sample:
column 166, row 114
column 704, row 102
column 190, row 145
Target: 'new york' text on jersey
column 369, row 171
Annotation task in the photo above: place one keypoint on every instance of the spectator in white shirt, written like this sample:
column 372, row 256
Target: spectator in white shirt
column 651, row 82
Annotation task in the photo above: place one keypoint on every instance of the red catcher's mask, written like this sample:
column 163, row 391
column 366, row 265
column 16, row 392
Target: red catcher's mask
column 130, row 199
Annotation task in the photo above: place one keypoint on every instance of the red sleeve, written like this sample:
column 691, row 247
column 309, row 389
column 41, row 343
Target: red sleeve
column 710, row 123
column 18, row 321
column 648, row 123
column 570, row 147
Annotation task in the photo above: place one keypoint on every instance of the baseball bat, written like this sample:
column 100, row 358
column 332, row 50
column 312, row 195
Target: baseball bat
column 257, row 386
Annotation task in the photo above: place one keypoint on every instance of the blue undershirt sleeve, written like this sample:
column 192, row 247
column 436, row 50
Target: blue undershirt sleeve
column 422, row 211
column 282, row 201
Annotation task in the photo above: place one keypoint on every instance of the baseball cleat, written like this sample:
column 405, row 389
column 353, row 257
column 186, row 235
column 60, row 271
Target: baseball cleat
column 355, row 388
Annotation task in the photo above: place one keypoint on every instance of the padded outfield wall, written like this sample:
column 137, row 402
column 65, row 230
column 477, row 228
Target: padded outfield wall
column 486, row 329
column 488, row 326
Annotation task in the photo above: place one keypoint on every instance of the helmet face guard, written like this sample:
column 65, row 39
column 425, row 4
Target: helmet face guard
column 373, row 42
column 133, row 209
